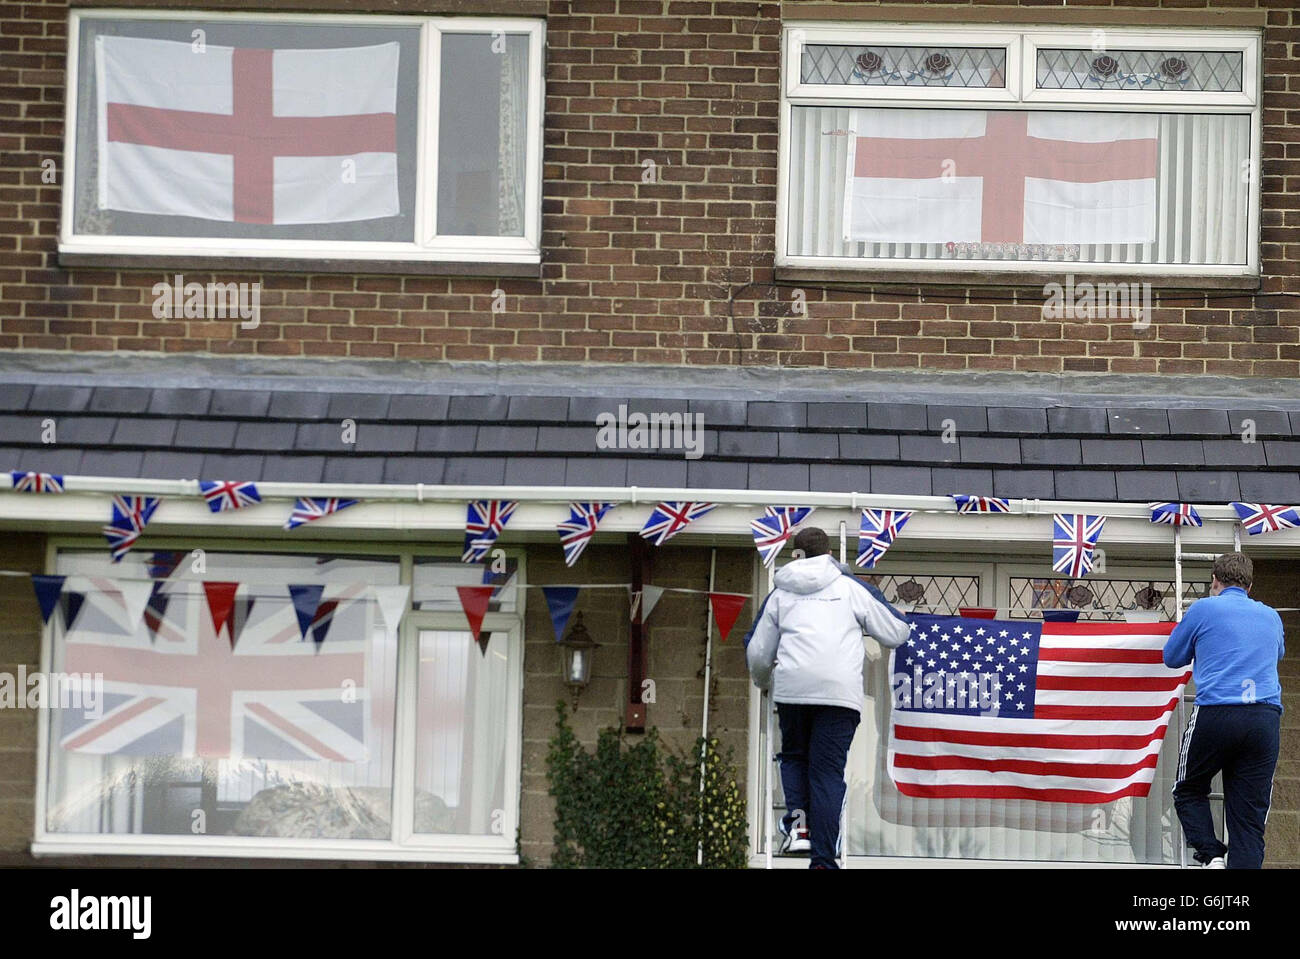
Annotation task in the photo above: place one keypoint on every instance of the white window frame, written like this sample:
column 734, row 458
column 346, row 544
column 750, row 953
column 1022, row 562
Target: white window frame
column 1022, row 49
column 994, row 591
column 426, row 245
column 405, row 845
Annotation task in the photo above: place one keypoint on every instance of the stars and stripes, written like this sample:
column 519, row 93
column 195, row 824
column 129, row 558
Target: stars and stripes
column 1016, row 709
column 774, row 529
column 308, row 509
column 576, row 532
column 1074, row 537
column 1262, row 518
column 668, row 519
column 484, row 521
column 1175, row 514
column 32, row 482
column 222, row 495
column 877, row 532
column 131, row 514
column 981, row 504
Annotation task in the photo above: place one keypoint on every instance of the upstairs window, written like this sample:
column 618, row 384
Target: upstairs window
column 980, row 148
column 304, row 137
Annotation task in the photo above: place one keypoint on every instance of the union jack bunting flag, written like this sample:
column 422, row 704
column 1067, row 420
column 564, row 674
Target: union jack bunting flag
column 770, row 536
column 981, row 504
column 669, row 519
column 1074, row 537
column 36, row 482
column 131, row 514
column 484, row 522
column 795, row 514
column 308, row 509
column 577, row 530
column 222, row 495
column 1175, row 514
column 877, row 532
column 1263, row 518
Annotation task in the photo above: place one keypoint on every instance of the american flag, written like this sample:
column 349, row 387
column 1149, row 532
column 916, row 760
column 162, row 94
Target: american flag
column 669, row 519
column 30, row 482
column 877, row 532
column 1074, row 537
column 576, row 532
column 1262, row 518
column 1016, row 709
column 189, row 694
column 1175, row 514
column 484, row 521
column 308, row 509
column 222, row 495
column 981, row 504
column 131, row 514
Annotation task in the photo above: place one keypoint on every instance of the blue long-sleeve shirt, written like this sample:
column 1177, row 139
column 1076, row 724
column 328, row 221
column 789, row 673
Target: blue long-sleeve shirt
column 1234, row 643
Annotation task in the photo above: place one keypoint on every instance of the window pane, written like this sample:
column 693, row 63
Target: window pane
column 981, row 185
column 461, row 731
column 246, row 129
column 983, row 67
column 1193, row 71
column 482, row 149
column 275, row 737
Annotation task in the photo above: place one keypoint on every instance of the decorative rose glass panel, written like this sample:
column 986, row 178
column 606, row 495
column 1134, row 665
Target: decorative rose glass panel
column 1190, row 71
column 905, row 66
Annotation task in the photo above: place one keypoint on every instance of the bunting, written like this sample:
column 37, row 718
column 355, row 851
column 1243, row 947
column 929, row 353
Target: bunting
column 981, row 504
column 47, row 589
column 576, row 532
column 1074, row 537
column 668, row 519
column 306, row 601
column 1175, row 514
column 392, row 602
column 774, row 528
column 308, row 509
column 560, row 601
column 644, row 601
column 1262, row 518
column 31, row 482
column 726, row 609
column 223, row 495
column 221, row 603
column 484, row 521
column 474, row 601
column 131, row 514
column 877, row 532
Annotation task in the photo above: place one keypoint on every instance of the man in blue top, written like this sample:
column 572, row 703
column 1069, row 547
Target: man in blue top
column 1234, row 644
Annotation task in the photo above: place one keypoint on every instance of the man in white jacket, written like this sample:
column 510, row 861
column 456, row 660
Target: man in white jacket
column 806, row 644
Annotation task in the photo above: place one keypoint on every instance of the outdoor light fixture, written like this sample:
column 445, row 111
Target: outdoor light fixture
column 578, row 649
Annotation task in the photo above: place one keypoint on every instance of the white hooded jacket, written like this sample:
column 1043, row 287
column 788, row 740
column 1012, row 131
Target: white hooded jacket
column 807, row 639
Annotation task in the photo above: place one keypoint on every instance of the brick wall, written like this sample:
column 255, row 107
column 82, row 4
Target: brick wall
column 20, row 645
column 634, row 272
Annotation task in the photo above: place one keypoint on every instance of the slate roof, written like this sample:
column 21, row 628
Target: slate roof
column 291, row 432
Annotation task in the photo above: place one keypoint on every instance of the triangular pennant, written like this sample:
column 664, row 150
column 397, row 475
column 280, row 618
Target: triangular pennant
column 726, row 608
column 392, row 602
column 155, row 611
column 474, row 601
column 47, row 589
column 323, row 620
column 221, row 602
column 306, row 599
column 135, row 595
column 239, row 618
column 644, row 600
column 72, row 601
column 560, row 600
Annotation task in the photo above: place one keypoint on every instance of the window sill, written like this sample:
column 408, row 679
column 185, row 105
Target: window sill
column 275, row 264
column 1034, row 279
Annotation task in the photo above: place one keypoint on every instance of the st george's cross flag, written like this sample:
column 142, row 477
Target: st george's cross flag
column 131, row 514
column 1020, row 709
column 981, row 504
column 1001, row 176
column 247, row 135
column 30, row 482
column 876, row 533
column 1263, row 518
column 1175, row 514
column 1074, row 537
column 308, row 509
column 223, row 495
column 576, row 532
column 484, row 521
column 668, row 519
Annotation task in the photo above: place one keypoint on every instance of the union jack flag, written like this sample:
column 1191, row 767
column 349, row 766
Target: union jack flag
column 795, row 514
column 308, row 509
column 484, row 522
column 1262, row 518
column 1175, row 514
column 981, row 504
column 222, row 495
column 877, row 532
column 773, row 530
column 669, row 519
column 1074, row 537
column 131, row 514
column 577, row 530
column 36, row 482
column 189, row 694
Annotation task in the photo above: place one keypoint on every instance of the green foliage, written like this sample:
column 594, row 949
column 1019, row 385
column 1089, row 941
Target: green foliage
column 635, row 805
